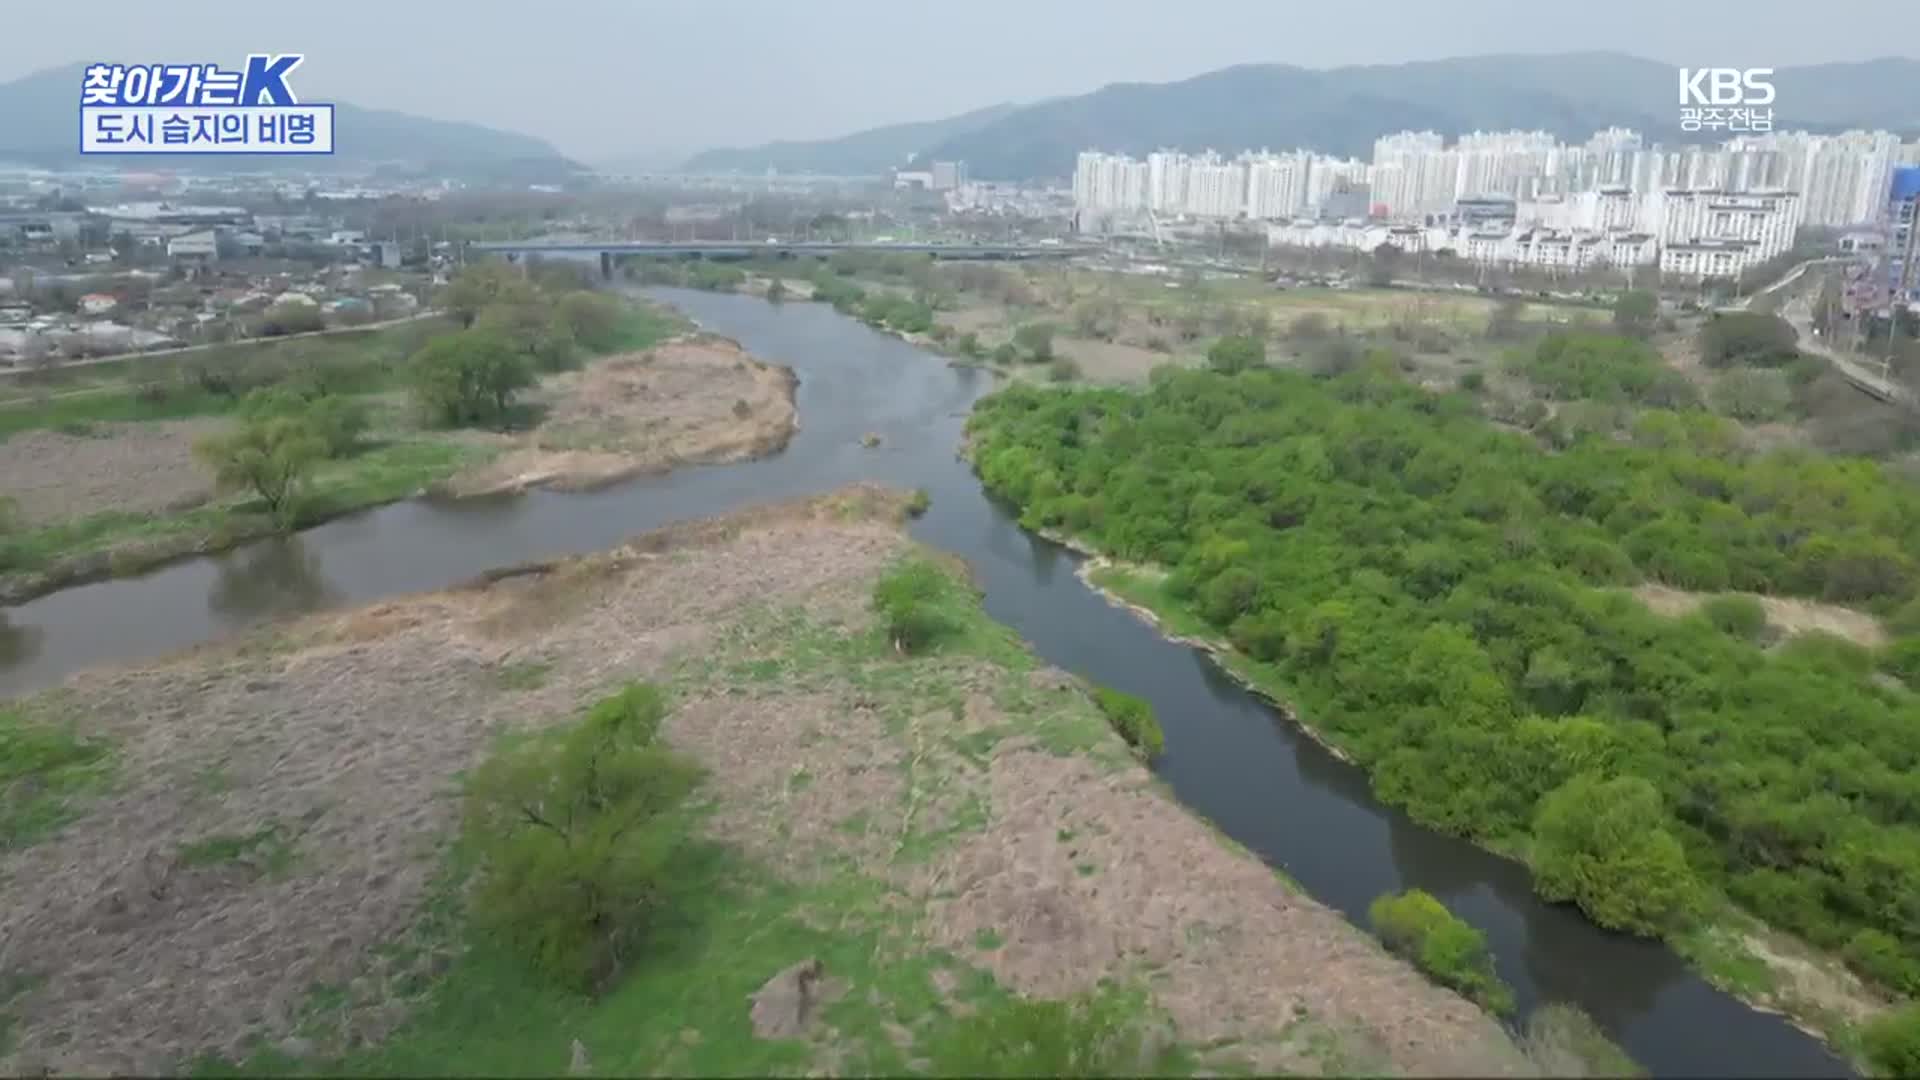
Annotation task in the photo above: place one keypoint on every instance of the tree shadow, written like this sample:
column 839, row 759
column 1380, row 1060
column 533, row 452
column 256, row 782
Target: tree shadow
column 278, row 576
column 18, row 644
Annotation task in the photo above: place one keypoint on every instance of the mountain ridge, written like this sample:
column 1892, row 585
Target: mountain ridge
column 1342, row 110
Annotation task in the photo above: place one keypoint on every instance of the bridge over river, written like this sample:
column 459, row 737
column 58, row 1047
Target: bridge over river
column 611, row 251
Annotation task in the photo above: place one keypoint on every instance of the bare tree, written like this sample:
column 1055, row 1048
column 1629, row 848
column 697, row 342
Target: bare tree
column 36, row 353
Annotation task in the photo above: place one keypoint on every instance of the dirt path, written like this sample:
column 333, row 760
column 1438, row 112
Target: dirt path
column 1789, row 615
column 982, row 791
column 698, row 398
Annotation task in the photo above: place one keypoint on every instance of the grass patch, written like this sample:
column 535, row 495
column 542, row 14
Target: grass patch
column 523, row 675
column 1716, row 951
column 45, row 770
column 268, row 850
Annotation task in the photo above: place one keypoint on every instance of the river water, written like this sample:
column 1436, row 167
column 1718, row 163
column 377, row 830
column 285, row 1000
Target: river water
column 1228, row 755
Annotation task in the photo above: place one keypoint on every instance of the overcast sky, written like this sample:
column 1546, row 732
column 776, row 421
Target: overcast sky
column 606, row 79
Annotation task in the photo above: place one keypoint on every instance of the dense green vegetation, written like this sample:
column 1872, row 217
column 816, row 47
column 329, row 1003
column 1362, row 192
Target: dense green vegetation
column 1435, row 595
column 1440, row 943
column 1892, row 1042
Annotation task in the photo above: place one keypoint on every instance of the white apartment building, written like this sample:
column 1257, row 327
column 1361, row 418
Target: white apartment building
column 1277, row 185
column 1109, row 182
column 1167, row 182
column 1216, row 188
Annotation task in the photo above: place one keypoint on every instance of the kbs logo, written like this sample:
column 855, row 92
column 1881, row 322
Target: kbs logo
column 1725, row 98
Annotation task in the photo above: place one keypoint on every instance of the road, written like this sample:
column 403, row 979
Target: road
column 1868, row 377
column 146, row 354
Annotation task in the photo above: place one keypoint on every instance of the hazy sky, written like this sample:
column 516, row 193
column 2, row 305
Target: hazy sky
column 605, row 78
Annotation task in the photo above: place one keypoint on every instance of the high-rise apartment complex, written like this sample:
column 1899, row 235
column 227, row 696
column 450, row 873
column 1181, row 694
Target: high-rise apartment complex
column 1709, row 210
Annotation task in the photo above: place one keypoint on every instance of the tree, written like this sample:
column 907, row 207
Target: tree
column 291, row 317
column 468, row 377
column 1037, row 339
column 909, row 598
column 482, row 284
column 338, row 421
column 1748, row 339
column 1604, row 845
column 1504, row 323
column 270, row 456
column 594, row 319
column 36, row 354
column 1635, row 313
column 1384, row 263
column 535, row 330
column 577, row 834
column 1231, row 355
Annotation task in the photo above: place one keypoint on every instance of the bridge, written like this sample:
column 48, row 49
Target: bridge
column 611, row 250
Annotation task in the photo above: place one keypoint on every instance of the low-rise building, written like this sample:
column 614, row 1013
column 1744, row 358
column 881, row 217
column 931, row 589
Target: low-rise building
column 202, row 245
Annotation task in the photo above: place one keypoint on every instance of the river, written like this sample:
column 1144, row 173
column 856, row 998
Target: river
column 1229, row 756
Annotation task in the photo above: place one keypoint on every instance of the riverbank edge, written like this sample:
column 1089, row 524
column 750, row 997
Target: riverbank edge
column 137, row 557
column 1836, row 1033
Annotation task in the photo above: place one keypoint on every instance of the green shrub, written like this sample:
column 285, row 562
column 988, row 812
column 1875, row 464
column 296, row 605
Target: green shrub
column 1738, row 616
column 1037, row 339
column 1092, row 1035
column 1440, row 943
column 918, row 502
column 1006, row 353
column 577, row 832
column 910, row 598
column 1231, row 355
column 1133, row 718
column 1892, row 1042
column 1604, row 845
column 1063, row 369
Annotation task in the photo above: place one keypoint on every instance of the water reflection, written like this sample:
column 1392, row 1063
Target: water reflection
column 278, row 577
column 18, row 644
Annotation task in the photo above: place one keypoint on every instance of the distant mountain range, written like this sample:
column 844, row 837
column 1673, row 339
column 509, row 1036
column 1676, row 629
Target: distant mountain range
column 39, row 126
column 860, row 154
column 1341, row 111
